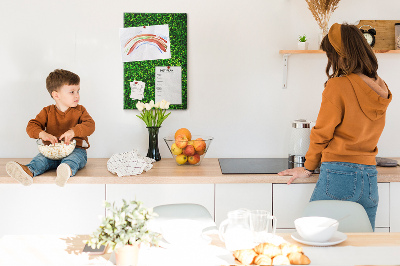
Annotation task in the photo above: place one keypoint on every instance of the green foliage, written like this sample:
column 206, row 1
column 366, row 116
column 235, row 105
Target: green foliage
column 302, row 38
column 124, row 225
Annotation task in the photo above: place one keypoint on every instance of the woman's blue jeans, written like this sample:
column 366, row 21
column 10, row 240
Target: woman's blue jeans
column 76, row 160
column 350, row 182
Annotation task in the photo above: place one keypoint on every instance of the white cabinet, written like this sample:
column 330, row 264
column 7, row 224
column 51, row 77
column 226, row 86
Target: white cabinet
column 159, row 194
column 49, row 209
column 394, row 207
column 289, row 202
column 230, row 197
column 382, row 221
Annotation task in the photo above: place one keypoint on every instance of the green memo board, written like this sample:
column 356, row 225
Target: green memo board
column 145, row 71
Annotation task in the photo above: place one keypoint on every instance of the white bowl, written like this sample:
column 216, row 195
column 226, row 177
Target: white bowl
column 316, row 229
column 181, row 231
column 56, row 151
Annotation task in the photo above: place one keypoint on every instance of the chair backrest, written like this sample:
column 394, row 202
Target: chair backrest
column 186, row 211
column 356, row 221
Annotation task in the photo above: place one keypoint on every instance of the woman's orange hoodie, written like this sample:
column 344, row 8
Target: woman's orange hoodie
column 350, row 121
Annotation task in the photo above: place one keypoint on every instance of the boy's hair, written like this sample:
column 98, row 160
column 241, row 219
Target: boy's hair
column 359, row 57
column 59, row 78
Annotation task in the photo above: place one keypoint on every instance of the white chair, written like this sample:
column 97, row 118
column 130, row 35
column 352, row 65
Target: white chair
column 356, row 217
column 186, row 211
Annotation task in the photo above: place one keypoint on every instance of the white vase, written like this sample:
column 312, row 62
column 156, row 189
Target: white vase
column 302, row 45
column 127, row 255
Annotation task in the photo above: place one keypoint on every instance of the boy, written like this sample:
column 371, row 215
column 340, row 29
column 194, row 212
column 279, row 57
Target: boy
column 63, row 120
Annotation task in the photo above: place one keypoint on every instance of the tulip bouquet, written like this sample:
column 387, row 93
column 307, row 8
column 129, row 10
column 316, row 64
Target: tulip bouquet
column 153, row 114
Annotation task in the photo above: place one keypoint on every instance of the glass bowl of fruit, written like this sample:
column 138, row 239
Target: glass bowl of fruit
column 188, row 150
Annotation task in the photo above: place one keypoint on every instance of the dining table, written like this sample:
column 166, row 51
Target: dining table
column 357, row 249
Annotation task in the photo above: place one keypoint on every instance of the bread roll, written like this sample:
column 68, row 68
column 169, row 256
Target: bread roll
column 298, row 258
column 287, row 248
column 245, row 256
column 262, row 260
column 268, row 249
column 280, row 260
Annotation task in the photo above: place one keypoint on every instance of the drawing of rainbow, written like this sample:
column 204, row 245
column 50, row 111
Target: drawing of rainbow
column 141, row 39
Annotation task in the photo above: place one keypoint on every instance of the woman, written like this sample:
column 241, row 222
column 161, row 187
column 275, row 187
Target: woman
column 350, row 121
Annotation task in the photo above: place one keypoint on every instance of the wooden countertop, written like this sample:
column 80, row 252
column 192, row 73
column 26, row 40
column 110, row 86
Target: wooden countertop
column 167, row 171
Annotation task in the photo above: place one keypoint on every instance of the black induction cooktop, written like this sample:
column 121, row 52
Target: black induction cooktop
column 253, row 165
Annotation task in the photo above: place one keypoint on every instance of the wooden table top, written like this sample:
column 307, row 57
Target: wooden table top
column 167, row 171
column 68, row 249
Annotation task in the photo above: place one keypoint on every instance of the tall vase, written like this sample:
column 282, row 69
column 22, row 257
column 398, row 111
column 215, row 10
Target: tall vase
column 321, row 35
column 127, row 255
column 153, row 151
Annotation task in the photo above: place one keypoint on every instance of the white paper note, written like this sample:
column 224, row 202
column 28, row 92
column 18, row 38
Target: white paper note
column 169, row 84
column 145, row 43
column 137, row 90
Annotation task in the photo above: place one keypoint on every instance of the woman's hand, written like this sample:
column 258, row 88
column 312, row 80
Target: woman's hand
column 67, row 136
column 48, row 137
column 295, row 173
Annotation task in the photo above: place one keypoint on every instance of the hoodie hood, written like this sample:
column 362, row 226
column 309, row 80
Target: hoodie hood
column 371, row 103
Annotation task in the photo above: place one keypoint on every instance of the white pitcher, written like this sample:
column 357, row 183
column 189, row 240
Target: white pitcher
column 235, row 231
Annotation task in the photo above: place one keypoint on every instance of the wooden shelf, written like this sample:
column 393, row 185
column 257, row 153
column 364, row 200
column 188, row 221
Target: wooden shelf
column 322, row 52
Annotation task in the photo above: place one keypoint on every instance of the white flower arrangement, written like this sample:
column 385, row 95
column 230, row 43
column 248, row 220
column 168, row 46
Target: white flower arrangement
column 126, row 225
column 153, row 114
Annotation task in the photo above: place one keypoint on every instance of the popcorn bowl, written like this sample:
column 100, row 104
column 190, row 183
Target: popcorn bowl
column 55, row 151
column 189, row 152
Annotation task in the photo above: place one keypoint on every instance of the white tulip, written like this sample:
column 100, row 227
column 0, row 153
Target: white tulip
column 147, row 106
column 140, row 106
column 151, row 104
column 162, row 104
column 167, row 105
column 157, row 105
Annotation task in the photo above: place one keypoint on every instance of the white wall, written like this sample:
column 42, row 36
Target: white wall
column 234, row 71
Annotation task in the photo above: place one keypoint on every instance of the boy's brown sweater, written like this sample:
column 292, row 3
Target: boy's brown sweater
column 56, row 123
column 350, row 121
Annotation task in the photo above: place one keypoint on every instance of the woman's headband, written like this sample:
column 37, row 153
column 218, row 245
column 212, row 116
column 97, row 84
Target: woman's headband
column 335, row 38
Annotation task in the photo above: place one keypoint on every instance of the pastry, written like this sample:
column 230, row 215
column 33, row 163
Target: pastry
column 262, row 260
column 268, row 249
column 287, row 248
column 280, row 260
column 298, row 258
column 245, row 256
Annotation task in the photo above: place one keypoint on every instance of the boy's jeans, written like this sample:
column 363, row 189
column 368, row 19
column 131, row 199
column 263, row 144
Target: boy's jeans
column 350, row 182
column 76, row 160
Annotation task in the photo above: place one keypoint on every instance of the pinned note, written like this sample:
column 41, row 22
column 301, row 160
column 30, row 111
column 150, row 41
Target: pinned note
column 168, row 84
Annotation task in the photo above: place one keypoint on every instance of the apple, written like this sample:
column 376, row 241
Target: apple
column 189, row 150
column 181, row 141
column 194, row 159
column 199, row 144
column 181, row 159
column 201, row 152
column 175, row 150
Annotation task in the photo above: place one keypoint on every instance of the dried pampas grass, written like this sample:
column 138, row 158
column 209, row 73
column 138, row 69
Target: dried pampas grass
column 322, row 11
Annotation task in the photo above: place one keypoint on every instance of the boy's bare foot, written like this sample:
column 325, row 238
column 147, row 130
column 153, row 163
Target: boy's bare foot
column 63, row 174
column 20, row 172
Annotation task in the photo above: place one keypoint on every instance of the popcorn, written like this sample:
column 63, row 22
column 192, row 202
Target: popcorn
column 56, row 151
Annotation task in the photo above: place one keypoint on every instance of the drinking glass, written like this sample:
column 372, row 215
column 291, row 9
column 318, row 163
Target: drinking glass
column 259, row 225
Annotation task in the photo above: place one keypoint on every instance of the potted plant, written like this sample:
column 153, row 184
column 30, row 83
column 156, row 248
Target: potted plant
column 123, row 229
column 302, row 44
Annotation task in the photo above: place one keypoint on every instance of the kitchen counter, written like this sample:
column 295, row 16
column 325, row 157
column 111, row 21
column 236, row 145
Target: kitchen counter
column 167, row 171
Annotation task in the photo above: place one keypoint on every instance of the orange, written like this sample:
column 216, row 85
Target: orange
column 184, row 131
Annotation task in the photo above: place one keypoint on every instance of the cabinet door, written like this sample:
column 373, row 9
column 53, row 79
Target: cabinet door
column 49, row 209
column 229, row 197
column 159, row 194
column 394, row 207
column 290, row 201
